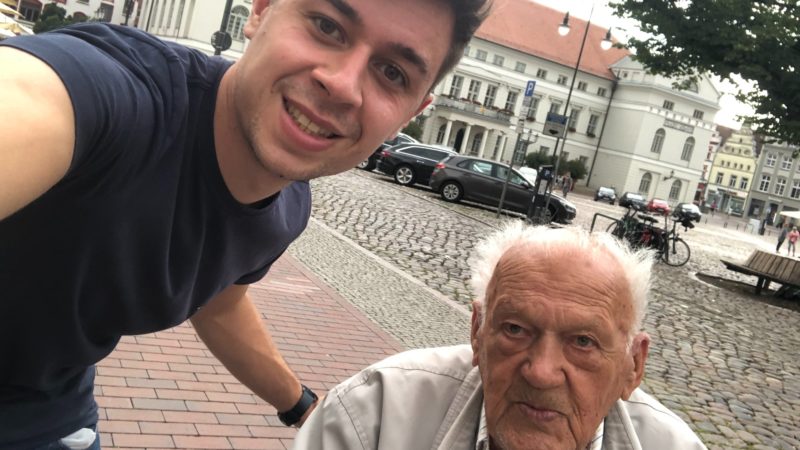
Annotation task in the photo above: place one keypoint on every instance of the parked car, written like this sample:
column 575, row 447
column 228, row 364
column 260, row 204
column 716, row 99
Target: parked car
column 659, row 206
column 606, row 194
column 467, row 178
column 372, row 162
column 411, row 163
column 529, row 173
column 689, row 210
column 633, row 200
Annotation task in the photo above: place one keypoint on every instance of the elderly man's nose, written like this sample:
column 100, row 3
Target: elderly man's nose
column 544, row 366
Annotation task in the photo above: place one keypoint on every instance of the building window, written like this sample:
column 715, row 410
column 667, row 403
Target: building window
column 555, row 107
column 601, row 91
column 532, row 109
column 719, row 178
column 688, row 148
column 455, row 86
column 771, row 159
column 520, row 67
column 764, row 185
column 497, row 147
column 583, row 160
column 498, row 60
column 795, row 192
column 476, row 144
column 562, row 79
column 511, row 101
column 481, row 55
column 743, row 183
column 669, row 105
column 780, row 186
column 440, row 134
column 592, row 127
column 474, row 90
column 644, row 184
column 565, row 155
column 658, row 141
column 675, row 190
column 698, row 114
column 541, row 73
column 786, row 164
column 466, row 50
column 491, row 93
column 573, row 119
column 236, row 22
column 582, row 85
column 732, row 181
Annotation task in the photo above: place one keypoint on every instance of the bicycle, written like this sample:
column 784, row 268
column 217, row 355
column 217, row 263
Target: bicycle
column 639, row 230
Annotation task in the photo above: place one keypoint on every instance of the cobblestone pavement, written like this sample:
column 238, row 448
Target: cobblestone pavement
column 724, row 360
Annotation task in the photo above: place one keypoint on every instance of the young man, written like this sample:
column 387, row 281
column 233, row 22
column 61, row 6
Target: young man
column 142, row 183
column 556, row 359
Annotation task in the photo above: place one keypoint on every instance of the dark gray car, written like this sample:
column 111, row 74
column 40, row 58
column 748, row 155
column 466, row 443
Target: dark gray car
column 480, row 180
column 411, row 163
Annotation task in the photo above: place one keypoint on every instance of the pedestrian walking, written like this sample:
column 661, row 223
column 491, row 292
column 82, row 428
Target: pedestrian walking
column 566, row 185
column 782, row 237
column 164, row 181
column 793, row 236
column 713, row 207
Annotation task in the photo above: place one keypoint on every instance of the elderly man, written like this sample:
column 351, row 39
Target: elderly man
column 555, row 361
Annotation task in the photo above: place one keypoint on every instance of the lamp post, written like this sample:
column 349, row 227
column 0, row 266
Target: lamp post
column 563, row 30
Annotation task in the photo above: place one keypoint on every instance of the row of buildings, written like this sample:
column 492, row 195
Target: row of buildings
column 633, row 130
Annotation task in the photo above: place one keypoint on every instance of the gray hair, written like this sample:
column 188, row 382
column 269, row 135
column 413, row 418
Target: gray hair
column 636, row 264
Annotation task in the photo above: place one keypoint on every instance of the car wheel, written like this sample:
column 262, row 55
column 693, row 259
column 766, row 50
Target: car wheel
column 367, row 164
column 451, row 191
column 404, row 175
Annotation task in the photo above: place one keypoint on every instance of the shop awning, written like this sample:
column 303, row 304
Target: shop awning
column 11, row 3
column 791, row 214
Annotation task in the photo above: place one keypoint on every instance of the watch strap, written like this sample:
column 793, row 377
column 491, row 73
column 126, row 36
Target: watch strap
column 292, row 416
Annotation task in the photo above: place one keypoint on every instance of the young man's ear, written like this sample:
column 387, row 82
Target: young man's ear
column 425, row 102
column 639, row 349
column 477, row 312
column 256, row 17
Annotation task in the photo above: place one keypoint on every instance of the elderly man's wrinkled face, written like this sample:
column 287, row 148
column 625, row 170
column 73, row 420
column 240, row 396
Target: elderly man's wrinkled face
column 552, row 350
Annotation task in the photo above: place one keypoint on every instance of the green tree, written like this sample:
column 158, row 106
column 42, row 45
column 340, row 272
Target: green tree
column 413, row 129
column 576, row 169
column 756, row 40
column 539, row 158
column 53, row 17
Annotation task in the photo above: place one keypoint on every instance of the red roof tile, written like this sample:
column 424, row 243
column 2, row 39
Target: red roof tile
column 533, row 28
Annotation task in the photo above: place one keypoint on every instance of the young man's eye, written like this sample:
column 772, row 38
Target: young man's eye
column 329, row 28
column 393, row 74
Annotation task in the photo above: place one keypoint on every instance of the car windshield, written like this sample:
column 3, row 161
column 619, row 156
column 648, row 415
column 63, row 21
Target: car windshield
column 528, row 173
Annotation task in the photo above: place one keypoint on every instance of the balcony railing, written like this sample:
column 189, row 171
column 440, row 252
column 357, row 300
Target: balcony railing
column 480, row 111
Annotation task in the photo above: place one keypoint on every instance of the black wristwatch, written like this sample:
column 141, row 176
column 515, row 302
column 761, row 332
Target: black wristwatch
column 292, row 416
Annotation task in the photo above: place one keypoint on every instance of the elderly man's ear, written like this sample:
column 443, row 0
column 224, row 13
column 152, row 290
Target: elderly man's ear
column 476, row 326
column 639, row 349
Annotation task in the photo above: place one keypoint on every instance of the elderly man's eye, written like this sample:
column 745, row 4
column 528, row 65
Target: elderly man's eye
column 584, row 341
column 513, row 329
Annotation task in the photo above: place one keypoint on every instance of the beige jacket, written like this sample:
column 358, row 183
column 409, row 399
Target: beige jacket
column 432, row 399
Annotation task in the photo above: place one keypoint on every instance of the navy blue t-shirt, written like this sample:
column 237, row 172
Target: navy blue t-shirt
column 140, row 233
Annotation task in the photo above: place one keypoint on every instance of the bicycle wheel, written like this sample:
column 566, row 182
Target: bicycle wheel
column 616, row 229
column 676, row 252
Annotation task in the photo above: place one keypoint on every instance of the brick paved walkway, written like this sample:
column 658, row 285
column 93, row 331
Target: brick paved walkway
column 166, row 390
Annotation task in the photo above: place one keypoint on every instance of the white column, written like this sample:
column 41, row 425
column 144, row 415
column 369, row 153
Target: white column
column 486, row 136
column 464, row 140
column 447, row 128
column 502, row 148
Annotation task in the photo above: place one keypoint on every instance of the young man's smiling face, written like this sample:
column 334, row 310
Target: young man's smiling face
column 324, row 82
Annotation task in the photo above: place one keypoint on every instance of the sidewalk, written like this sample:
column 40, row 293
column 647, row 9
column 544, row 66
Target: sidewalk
column 166, row 390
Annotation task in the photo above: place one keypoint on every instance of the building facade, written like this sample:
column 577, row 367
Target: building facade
column 776, row 183
column 656, row 138
column 731, row 176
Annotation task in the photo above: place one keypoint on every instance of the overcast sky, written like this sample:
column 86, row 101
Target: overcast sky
column 604, row 17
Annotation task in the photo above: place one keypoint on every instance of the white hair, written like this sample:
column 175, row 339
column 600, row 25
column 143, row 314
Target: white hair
column 635, row 265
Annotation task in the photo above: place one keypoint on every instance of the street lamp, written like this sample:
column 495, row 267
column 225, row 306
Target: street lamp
column 563, row 30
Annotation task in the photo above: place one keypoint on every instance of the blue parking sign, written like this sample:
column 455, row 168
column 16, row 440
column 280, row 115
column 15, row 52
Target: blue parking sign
column 529, row 88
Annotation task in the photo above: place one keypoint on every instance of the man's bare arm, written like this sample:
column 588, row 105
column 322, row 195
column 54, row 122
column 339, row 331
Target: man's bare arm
column 37, row 129
column 231, row 327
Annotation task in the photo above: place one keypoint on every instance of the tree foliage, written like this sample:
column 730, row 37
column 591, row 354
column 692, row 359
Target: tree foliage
column 54, row 16
column 413, row 129
column 757, row 40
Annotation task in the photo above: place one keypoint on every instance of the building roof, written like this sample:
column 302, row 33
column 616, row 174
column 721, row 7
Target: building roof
column 533, row 28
